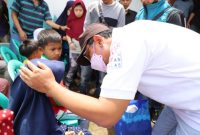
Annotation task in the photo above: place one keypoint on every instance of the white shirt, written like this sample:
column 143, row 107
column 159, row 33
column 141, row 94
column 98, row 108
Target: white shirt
column 160, row 60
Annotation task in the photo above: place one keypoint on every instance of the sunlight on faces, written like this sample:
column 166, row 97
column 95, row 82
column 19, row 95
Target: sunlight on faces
column 78, row 11
column 53, row 51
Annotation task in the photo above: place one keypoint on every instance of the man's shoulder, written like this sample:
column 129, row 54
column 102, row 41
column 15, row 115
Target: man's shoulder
column 44, row 3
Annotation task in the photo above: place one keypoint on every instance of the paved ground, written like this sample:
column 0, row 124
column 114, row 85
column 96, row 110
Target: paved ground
column 93, row 128
column 97, row 130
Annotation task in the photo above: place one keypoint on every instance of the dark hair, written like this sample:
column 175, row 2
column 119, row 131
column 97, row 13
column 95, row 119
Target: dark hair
column 48, row 36
column 106, row 34
column 28, row 47
column 78, row 4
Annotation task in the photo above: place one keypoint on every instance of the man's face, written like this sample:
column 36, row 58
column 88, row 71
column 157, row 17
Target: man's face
column 101, row 46
column 53, row 51
column 125, row 3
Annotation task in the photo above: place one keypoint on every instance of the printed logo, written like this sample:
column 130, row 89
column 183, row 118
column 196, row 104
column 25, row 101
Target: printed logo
column 115, row 57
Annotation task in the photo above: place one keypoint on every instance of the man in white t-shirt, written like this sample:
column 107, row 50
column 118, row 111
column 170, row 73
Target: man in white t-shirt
column 158, row 59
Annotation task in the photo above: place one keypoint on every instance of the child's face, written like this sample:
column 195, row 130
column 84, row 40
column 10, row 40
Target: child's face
column 53, row 51
column 78, row 11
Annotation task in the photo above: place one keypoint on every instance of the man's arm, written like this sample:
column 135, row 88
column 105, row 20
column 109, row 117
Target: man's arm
column 56, row 26
column 103, row 111
column 190, row 19
column 22, row 34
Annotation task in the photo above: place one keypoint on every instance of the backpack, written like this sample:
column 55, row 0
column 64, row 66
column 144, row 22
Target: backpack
column 175, row 16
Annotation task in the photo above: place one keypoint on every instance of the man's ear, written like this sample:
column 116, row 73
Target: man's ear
column 98, row 39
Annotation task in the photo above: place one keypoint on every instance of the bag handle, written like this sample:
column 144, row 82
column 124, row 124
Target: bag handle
column 101, row 14
column 161, row 13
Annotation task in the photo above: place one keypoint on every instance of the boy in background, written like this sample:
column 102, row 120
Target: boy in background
column 51, row 43
column 130, row 14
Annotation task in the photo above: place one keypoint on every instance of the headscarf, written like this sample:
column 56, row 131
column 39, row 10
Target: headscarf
column 62, row 19
column 33, row 113
column 76, row 24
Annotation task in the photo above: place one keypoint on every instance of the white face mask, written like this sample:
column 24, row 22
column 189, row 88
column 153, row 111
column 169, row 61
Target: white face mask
column 97, row 62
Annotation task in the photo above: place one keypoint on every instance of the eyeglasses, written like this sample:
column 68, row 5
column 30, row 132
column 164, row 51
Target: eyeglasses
column 85, row 53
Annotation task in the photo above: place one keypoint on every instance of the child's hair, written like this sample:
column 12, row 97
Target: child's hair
column 28, row 47
column 48, row 36
column 79, row 4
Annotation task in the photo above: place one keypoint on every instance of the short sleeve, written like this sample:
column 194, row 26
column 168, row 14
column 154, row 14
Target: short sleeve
column 47, row 15
column 125, row 68
column 15, row 6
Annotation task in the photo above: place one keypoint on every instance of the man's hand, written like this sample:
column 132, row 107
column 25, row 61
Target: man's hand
column 188, row 25
column 38, row 78
column 63, row 28
column 56, row 26
column 22, row 35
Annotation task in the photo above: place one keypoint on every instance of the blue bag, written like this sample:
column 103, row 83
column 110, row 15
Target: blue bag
column 135, row 120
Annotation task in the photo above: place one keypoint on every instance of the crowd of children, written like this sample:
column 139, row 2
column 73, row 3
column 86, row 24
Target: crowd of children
column 62, row 42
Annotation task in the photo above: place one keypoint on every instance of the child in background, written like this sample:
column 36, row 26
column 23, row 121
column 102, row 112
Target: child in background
column 51, row 43
column 75, row 23
column 30, row 50
column 62, row 20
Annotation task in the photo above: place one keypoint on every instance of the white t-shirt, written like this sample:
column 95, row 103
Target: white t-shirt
column 160, row 60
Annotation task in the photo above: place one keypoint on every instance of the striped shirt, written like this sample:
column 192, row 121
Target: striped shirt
column 30, row 16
